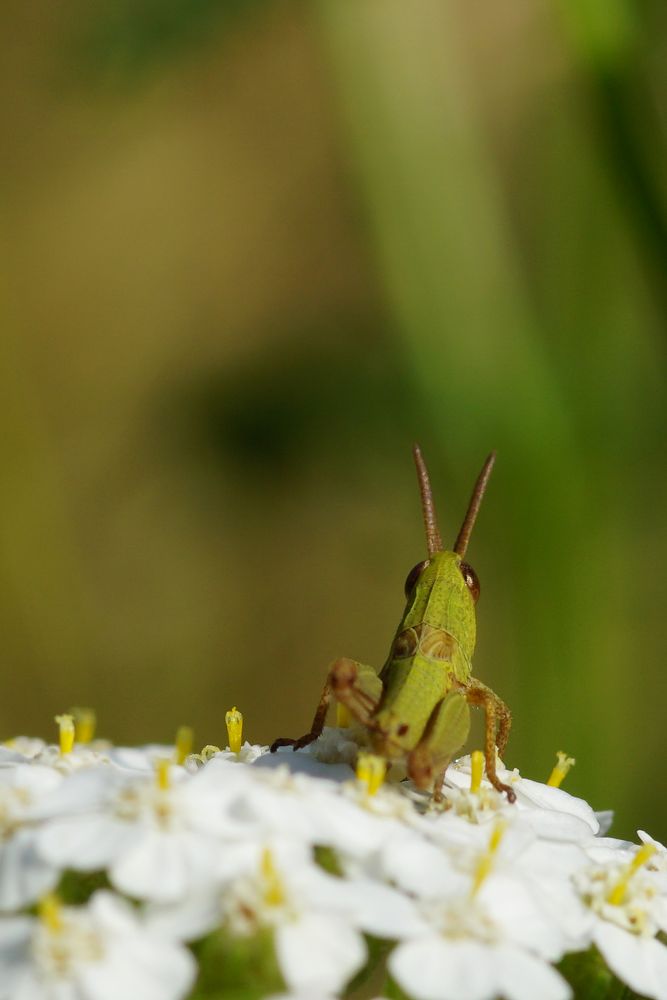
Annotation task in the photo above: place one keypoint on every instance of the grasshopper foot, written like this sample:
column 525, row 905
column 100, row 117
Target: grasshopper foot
column 285, row 741
column 501, row 787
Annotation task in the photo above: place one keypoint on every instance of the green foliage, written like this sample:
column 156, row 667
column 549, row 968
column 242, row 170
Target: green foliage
column 326, row 858
column 392, row 991
column 236, row 968
column 590, row 978
column 373, row 972
column 76, row 888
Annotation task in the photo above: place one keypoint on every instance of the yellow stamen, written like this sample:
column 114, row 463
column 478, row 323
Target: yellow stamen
column 371, row 771
column 84, row 724
column 476, row 770
column 234, row 723
column 208, row 751
column 49, row 910
column 485, row 863
column 184, row 742
column 618, row 892
column 561, row 768
column 274, row 892
column 343, row 717
column 67, row 732
column 162, row 776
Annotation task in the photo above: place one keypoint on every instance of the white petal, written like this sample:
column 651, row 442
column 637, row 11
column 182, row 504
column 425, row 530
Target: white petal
column 85, row 843
column 36, row 780
column 640, row 963
column 10, row 758
column 134, row 758
column 15, row 937
column 384, row 912
column 79, row 792
column 187, row 919
column 434, row 968
column 550, row 824
column 513, row 908
column 534, row 793
column 420, row 867
column 605, row 818
column 305, row 763
column 520, row 976
column 369, row 906
column 32, row 986
column 24, row 876
column 139, row 967
column 646, row 838
column 558, row 861
column 164, row 866
column 113, row 914
column 318, row 954
column 559, row 900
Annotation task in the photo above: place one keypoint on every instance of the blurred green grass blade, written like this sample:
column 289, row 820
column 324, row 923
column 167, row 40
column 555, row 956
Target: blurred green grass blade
column 125, row 40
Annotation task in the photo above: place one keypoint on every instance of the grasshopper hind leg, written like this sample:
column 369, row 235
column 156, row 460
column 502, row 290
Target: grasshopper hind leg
column 354, row 685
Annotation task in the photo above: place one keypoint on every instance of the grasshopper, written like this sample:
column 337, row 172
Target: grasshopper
column 416, row 710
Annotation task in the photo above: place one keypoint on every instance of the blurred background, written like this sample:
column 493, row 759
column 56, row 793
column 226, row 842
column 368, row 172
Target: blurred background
column 256, row 248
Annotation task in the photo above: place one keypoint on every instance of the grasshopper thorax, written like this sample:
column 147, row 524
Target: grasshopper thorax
column 443, row 598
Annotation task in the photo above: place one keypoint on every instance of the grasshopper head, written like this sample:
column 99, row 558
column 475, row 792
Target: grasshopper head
column 442, row 590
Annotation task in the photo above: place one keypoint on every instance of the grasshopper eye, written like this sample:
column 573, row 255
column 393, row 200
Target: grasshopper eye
column 472, row 582
column 414, row 575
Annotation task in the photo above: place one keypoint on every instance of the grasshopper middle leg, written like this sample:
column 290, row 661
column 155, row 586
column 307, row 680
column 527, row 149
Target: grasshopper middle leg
column 497, row 729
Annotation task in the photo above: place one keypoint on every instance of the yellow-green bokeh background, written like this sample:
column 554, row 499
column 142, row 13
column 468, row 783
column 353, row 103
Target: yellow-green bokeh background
column 252, row 251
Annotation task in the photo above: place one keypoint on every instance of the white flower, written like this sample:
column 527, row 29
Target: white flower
column 303, row 762
column 143, row 758
column 247, row 754
column 278, row 886
column 273, row 799
column 24, row 875
column 658, row 860
column 480, row 921
column 437, row 967
column 640, row 962
column 626, row 906
column 551, row 812
column 543, row 867
column 79, row 757
column 98, row 952
column 338, row 745
column 20, row 748
column 158, row 837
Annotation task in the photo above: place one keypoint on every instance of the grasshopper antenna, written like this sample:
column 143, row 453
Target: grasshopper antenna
column 461, row 543
column 433, row 539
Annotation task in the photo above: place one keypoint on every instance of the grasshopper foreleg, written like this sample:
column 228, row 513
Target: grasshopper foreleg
column 497, row 730
column 354, row 685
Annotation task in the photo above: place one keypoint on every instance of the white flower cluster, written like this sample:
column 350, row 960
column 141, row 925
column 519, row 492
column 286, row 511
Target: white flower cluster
column 474, row 900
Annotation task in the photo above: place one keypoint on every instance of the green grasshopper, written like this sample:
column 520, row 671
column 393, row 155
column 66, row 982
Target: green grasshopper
column 416, row 710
